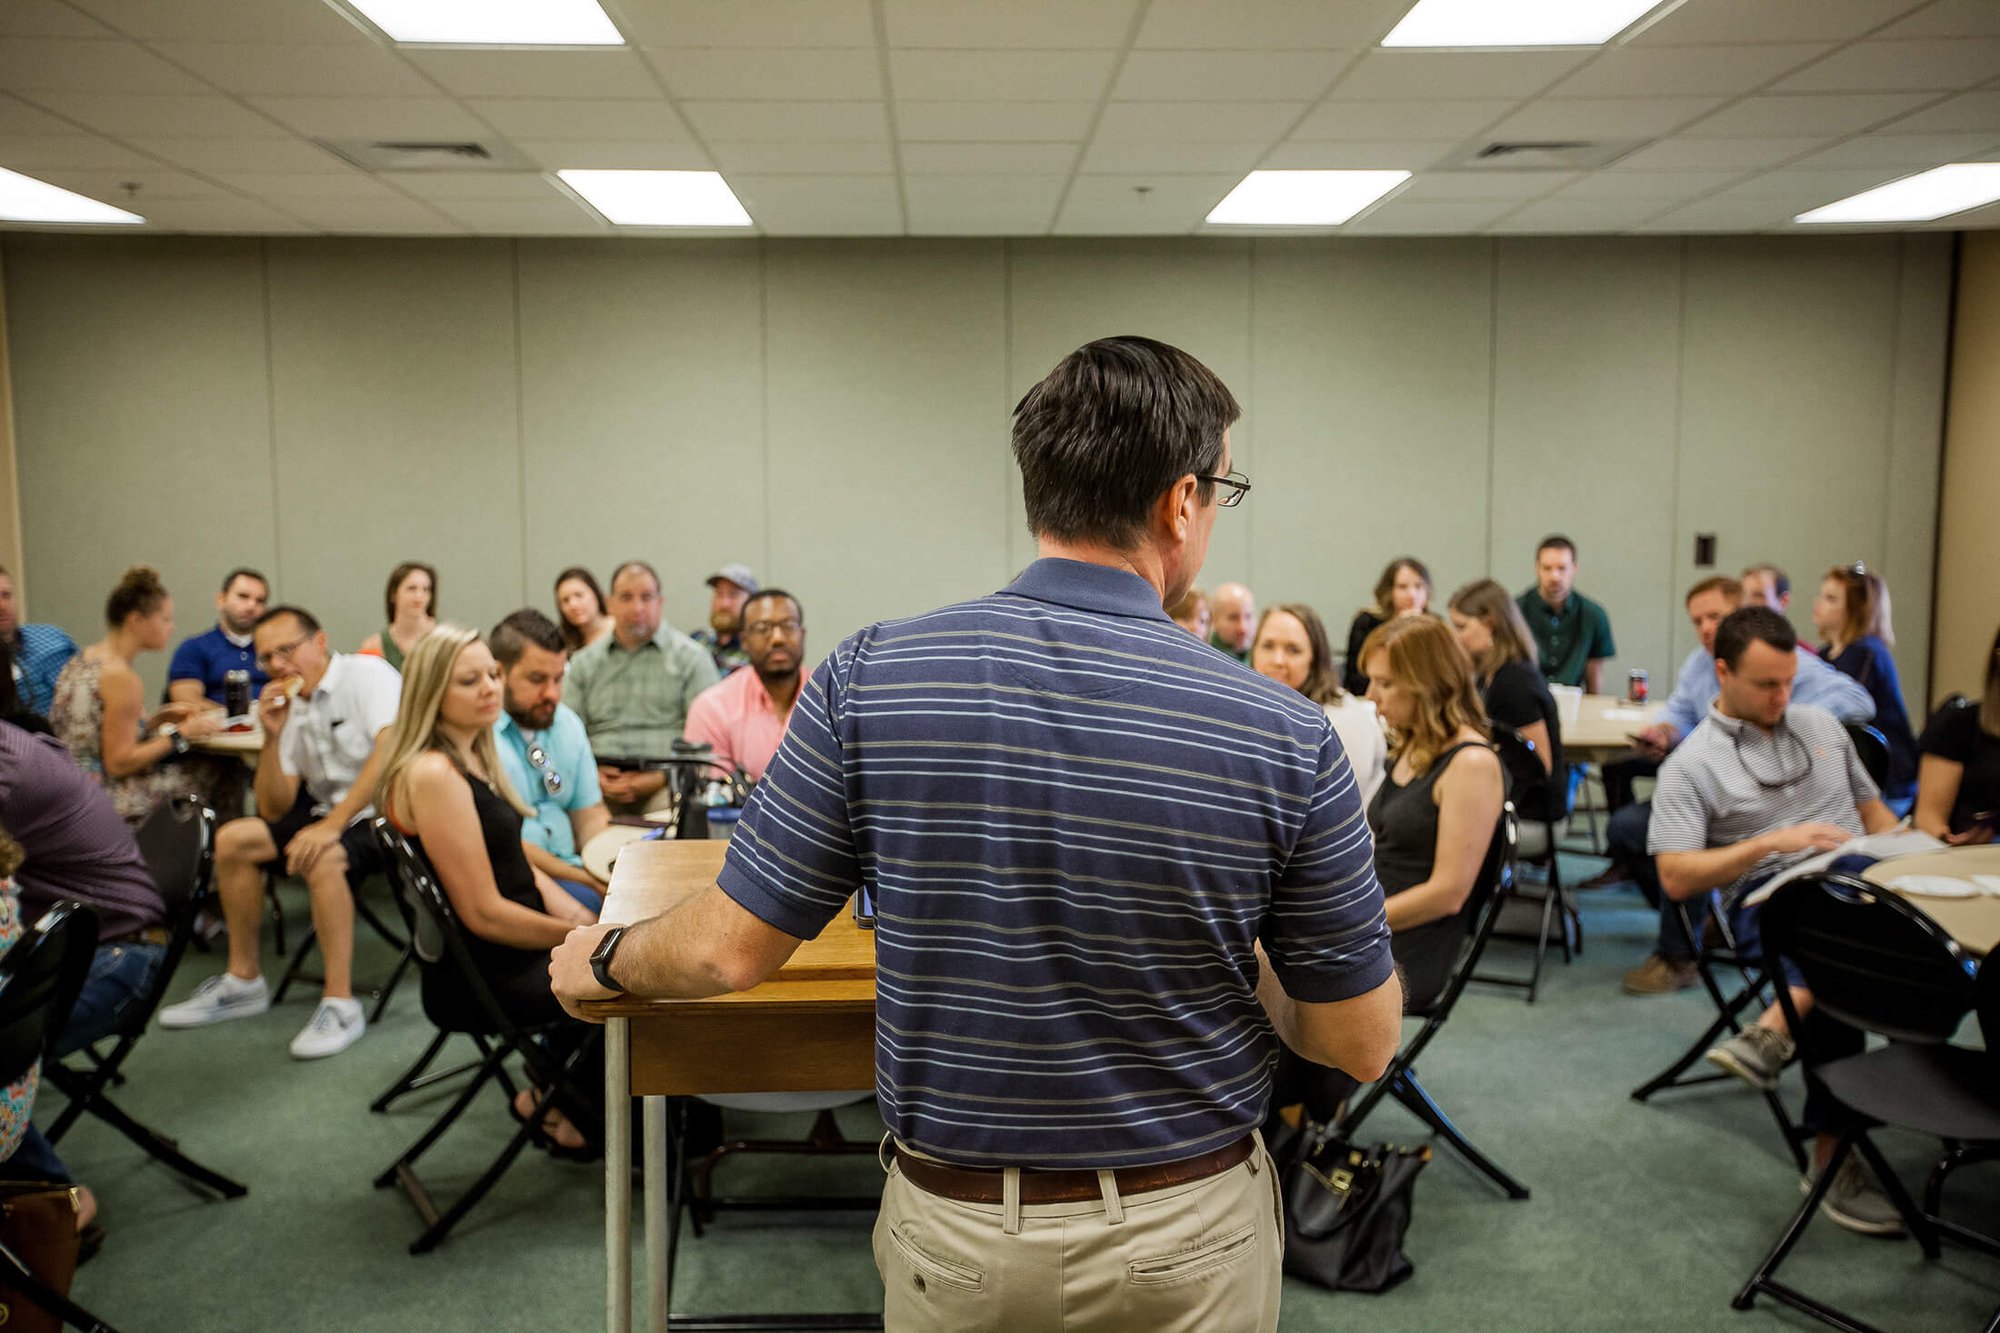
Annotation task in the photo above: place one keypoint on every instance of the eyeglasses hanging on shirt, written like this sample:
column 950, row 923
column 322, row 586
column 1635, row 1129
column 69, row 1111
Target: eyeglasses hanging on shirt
column 1778, row 739
column 552, row 781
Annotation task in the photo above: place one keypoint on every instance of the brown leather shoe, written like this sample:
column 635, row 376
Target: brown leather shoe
column 1657, row 976
column 1608, row 878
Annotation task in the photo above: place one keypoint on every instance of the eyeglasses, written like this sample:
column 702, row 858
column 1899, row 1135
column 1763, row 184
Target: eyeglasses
column 763, row 627
column 284, row 650
column 552, row 781
column 1238, row 484
column 1784, row 779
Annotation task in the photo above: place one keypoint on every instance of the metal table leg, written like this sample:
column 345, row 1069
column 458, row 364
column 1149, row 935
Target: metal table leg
column 618, row 1175
column 657, row 1188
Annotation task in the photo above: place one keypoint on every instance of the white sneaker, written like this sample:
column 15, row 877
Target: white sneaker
column 219, row 998
column 336, row 1025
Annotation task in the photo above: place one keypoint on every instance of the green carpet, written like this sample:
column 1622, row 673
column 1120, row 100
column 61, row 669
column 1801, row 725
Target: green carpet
column 1643, row 1217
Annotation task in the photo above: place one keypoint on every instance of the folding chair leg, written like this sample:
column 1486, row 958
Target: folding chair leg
column 1542, row 941
column 277, row 911
column 293, row 968
column 1417, row 1101
column 1892, row 1185
column 163, row 1149
column 416, row 1077
column 69, row 1312
column 441, row 1226
column 442, row 1123
column 1764, row 1279
column 1794, row 1137
column 388, row 990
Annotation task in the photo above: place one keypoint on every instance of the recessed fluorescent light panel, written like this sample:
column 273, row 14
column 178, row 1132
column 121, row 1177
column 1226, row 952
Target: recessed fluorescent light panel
column 25, row 199
column 659, row 198
column 1936, row 193
column 492, row 22
column 1303, row 198
column 1516, row 22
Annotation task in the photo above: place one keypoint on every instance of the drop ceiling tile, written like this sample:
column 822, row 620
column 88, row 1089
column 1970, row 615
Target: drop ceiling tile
column 1664, row 186
column 1227, row 76
column 226, row 216
column 615, row 72
column 822, row 205
column 1605, row 118
column 517, row 217
column 1907, row 152
column 565, row 154
column 1025, row 122
column 213, row 156
column 1400, row 120
column 271, row 69
column 1071, row 24
column 155, row 184
column 394, row 216
column 1807, row 189
column 982, row 205
column 806, row 159
column 351, row 185
column 1403, row 216
column 1724, row 22
column 162, row 116
column 17, row 117
column 726, row 23
column 1827, row 113
column 980, row 160
column 643, row 120
column 1400, row 75
column 1441, row 186
column 1172, row 158
column 373, row 117
column 1726, row 215
column 1716, row 154
column 1949, row 18
column 47, row 18
column 803, row 122
column 1576, row 217
column 773, row 74
column 37, row 64
column 1944, row 64
column 1327, row 155
column 225, row 20
column 452, row 187
column 1685, row 71
column 1140, row 206
column 1967, row 111
column 1196, row 122
column 1032, row 76
column 33, row 153
column 1273, row 25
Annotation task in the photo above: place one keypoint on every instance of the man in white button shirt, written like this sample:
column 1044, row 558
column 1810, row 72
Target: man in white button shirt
column 323, row 715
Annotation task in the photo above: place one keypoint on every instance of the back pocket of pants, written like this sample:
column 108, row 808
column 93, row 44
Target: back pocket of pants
column 934, row 1268
column 1228, row 1248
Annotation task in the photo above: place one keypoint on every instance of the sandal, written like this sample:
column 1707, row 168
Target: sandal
column 545, row 1133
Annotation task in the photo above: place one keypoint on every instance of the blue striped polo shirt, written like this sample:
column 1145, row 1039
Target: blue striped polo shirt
column 1077, row 820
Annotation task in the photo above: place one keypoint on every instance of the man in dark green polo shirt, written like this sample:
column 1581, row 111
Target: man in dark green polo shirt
column 1572, row 632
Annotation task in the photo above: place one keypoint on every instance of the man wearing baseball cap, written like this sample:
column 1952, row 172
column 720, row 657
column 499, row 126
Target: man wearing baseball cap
column 727, row 587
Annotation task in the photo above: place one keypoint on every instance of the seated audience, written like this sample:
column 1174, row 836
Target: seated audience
column 1191, row 613
column 580, row 608
column 442, row 785
column 1403, row 590
column 1572, row 632
column 546, row 755
column 13, row 708
column 410, row 605
column 39, row 651
column 1762, row 784
column 1958, row 780
column 633, row 688
column 743, row 719
column 1290, row 646
column 100, row 707
column 1490, row 628
column 202, row 664
column 1234, row 613
column 324, row 715
column 1767, row 585
column 1852, row 616
column 723, row 635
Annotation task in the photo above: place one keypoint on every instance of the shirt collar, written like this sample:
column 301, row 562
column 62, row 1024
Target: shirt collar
column 336, row 666
column 1089, row 587
column 614, row 644
column 1736, row 726
column 243, row 642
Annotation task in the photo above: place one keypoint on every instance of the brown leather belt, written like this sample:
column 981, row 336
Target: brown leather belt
column 150, row 935
column 984, row 1184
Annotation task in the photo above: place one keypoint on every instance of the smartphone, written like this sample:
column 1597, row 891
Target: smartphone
column 864, row 908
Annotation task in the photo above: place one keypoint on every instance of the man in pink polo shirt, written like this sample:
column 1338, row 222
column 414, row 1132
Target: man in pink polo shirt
column 743, row 718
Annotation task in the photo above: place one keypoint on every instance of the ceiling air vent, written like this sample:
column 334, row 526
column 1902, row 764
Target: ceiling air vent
column 427, row 155
column 1543, row 155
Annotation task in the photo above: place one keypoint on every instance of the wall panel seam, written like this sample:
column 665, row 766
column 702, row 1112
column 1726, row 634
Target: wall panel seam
column 520, row 416
column 271, row 407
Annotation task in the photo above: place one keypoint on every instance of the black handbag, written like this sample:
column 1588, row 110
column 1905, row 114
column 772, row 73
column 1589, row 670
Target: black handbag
column 1347, row 1209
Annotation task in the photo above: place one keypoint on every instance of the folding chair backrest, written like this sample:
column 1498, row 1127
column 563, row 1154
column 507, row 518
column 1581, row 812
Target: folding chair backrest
column 1537, row 793
column 1870, row 959
column 40, row 978
column 1481, row 912
column 1871, row 749
column 423, row 903
column 1988, row 1005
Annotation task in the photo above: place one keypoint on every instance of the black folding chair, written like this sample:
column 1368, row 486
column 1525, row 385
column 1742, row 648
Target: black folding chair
column 40, row 978
column 295, row 968
column 178, row 843
column 442, row 953
column 1871, row 748
column 1538, row 797
column 1874, row 962
column 1714, row 958
column 1480, row 914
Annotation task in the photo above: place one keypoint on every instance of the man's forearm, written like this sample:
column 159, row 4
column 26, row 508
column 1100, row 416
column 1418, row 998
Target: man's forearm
column 1685, row 874
column 276, row 789
column 1278, row 1006
column 546, row 861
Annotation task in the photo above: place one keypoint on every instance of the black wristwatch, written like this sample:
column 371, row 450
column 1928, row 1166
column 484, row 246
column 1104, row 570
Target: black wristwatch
column 173, row 733
column 600, row 958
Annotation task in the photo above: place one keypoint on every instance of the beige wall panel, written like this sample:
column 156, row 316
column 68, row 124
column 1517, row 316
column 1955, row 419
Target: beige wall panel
column 393, row 370
column 1587, row 368
column 1373, row 383
column 1193, row 294
column 642, row 410
column 1968, row 594
column 1914, row 458
column 888, row 430
column 143, row 420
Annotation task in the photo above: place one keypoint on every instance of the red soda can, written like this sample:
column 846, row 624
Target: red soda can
column 1635, row 687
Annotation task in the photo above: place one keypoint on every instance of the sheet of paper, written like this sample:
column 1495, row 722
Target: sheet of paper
column 1880, row 846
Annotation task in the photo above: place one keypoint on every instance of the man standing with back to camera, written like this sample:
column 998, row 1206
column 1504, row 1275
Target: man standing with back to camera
column 1107, row 864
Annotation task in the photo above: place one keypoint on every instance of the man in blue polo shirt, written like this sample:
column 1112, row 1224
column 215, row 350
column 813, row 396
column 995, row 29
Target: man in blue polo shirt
column 39, row 652
column 1110, row 868
column 202, row 664
column 546, row 754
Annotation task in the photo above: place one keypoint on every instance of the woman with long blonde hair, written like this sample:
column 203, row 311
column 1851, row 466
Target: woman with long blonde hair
column 442, row 785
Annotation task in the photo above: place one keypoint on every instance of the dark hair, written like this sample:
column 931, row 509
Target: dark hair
column 11, row 704
column 1555, row 541
column 1780, row 580
column 1752, row 624
column 245, row 572
column 139, row 593
column 527, row 626
column 1867, row 603
column 638, row 564
column 1322, row 682
column 572, row 636
column 396, row 577
column 743, row 616
column 307, row 621
column 1107, row 431
column 1722, row 583
column 1385, row 587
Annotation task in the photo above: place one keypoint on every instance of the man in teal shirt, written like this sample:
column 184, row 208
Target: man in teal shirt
column 1572, row 633
column 546, row 755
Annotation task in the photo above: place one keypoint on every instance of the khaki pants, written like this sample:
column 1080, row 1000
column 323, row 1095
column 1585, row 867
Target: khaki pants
column 1205, row 1257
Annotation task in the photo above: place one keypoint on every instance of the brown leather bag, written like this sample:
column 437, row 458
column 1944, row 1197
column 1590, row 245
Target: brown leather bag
column 38, row 1224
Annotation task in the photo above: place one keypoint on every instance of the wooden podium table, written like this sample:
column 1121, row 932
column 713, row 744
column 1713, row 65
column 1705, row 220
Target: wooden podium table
column 1602, row 725
column 810, row 1028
